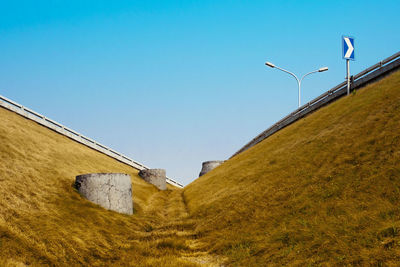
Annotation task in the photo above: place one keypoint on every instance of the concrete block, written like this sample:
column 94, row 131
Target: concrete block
column 112, row 191
column 210, row 165
column 156, row 177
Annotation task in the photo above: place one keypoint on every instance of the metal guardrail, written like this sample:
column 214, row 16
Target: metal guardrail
column 361, row 79
column 55, row 126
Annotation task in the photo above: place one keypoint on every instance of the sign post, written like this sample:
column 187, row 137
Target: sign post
column 348, row 54
column 348, row 75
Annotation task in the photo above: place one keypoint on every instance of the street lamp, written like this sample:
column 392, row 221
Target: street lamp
column 269, row 64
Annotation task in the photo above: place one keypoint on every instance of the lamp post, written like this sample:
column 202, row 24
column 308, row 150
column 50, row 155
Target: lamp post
column 269, row 64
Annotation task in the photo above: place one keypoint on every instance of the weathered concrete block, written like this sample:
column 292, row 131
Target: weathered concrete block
column 156, row 177
column 209, row 165
column 112, row 191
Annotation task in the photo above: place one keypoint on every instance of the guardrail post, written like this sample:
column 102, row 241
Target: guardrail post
column 351, row 81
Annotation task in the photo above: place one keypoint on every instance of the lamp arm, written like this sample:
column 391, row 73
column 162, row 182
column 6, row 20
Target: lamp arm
column 291, row 73
column 311, row 72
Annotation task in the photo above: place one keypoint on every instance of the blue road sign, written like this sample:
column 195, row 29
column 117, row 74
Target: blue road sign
column 348, row 47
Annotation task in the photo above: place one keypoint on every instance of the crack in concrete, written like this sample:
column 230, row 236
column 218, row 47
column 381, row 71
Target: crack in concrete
column 111, row 191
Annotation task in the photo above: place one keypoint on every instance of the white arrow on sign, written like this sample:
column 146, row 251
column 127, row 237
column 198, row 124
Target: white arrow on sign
column 350, row 47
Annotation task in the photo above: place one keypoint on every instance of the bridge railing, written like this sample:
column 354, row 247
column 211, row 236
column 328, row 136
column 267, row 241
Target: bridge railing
column 55, row 126
column 361, row 79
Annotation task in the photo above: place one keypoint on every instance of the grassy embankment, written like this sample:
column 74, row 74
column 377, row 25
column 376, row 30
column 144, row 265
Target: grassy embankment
column 44, row 221
column 325, row 190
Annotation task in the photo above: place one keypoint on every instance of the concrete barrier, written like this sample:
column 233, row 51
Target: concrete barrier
column 209, row 165
column 112, row 191
column 156, row 177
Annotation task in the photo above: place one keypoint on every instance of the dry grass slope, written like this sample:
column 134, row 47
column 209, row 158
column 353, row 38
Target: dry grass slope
column 44, row 221
column 323, row 191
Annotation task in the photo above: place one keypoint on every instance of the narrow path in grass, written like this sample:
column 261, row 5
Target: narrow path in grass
column 171, row 230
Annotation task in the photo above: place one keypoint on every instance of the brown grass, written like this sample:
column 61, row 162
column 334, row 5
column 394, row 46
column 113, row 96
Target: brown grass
column 44, row 221
column 323, row 191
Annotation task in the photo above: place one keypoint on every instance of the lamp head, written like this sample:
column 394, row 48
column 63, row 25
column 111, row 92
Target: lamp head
column 269, row 64
column 323, row 69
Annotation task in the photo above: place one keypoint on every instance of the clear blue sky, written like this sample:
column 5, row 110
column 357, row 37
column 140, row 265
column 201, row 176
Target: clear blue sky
column 175, row 83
